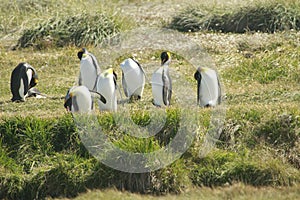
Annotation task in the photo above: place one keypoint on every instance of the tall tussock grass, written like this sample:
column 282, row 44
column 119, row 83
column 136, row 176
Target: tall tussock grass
column 79, row 30
column 264, row 17
column 221, row 168
column 45, row 157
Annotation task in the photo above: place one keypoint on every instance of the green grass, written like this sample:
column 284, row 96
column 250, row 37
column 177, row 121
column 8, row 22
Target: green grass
column 18, row 16
column 42, row 156
column 79, row 30
column 237, row 191
column 270, row 16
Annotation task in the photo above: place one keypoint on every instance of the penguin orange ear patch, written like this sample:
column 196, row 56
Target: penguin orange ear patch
column 169, row 54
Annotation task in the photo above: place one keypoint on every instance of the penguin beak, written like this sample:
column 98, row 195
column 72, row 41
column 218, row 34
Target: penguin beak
column 36, row 81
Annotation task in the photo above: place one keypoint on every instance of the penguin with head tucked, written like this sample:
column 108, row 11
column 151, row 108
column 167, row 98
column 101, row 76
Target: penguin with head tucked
column 133, row 78
column 107, row 86
column 208, row 87
column 161, row 82
column 23, row 77
column 79, row 99
column 89, row 69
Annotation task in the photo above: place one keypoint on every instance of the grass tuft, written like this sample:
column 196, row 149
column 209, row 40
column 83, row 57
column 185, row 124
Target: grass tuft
column 267, row 17
column 79, row 30
column 221, row 168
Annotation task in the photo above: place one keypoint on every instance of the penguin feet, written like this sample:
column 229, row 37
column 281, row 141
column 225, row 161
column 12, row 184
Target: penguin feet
column 18, row 100
column 153, row 103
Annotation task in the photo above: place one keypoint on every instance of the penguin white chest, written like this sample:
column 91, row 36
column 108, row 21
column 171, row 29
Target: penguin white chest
column 157, row 87
column 107, row 88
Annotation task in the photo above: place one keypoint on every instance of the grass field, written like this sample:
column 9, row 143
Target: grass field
column 257, row 154
column 233, row 192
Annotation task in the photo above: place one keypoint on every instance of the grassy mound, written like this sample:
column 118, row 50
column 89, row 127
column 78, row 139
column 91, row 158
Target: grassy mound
column 221, row 167
column 267, row 17
column 80, row 30
column 45, row 157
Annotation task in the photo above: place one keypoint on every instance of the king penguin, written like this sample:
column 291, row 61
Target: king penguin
column 89, row 69
column 107, row 86
column 133, row 78
column 23, row 77
column 161, row 82
column 208, row 87
column 79, row 99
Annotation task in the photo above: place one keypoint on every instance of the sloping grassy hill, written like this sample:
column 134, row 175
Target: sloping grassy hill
column 41, row 153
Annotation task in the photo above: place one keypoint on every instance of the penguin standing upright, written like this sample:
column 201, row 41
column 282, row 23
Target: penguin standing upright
column 79, row 99
column 89, row 69
column 133, row 78
column 162, row 83
column 23, row 77
column 107, row 86
column 208, row 87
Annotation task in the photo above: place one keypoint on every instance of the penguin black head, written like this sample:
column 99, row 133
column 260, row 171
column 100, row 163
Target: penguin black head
column 197, row 74
column 81, row 52
column 34, row 80
column 68, row 101
column 165, row 57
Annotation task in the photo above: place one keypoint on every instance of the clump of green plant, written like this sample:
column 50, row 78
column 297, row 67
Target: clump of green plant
column 222, row 167
column 171, row 179
column 24, row 136
column 282, row 131
column 79, row 30
column 11, row 186
column 268, row 17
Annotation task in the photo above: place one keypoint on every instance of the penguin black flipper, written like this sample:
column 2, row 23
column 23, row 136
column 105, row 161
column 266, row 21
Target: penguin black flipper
column 80, row 79
column 198, row 77
column 124, row 84
column 220, row 91
column 170, row 88
column 98, row 95
column 167, row 87
column 95, row 63
column 139, row 66
column 115, row 78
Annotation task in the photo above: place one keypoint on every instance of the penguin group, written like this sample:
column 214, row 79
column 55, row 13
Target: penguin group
column 95, row 85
